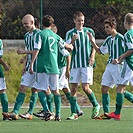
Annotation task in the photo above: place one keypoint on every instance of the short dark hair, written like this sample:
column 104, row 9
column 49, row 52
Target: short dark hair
column 47, row 20
column 37, row 22
column 111, row 21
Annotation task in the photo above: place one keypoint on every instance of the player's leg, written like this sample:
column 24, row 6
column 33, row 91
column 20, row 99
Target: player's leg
column 74, row 80
column 87, row 78
column 128, row 95
column 53, row 83
column 67, row 93
column 4, row 103
column 49, row 96
column 27, row 81
column 126, row 76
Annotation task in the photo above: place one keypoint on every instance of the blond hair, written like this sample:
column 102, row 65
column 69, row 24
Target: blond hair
column 129, row 18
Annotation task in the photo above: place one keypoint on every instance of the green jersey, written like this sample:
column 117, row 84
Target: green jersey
column 113, row 46
column 47, row 59
column 30, row 40
column 128, row 37
column 1, row 53
column 82, row 47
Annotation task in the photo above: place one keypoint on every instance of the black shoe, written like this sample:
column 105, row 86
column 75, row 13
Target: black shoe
column 48, row 115
column 80, row 113
column 40, row 113
column 57, row 118
column 6, row 118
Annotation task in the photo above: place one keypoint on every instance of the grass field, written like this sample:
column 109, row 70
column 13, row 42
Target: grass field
column 83, row 125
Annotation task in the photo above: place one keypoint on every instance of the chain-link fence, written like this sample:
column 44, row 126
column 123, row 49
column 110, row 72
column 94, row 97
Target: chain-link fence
column 95, row 11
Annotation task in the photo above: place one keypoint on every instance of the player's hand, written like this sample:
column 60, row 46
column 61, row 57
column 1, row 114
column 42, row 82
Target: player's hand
column 121, row 58
column 67, row 74
column 91, row 61
column 6, row 67
column 20, row 51
column 31, row 69
column 22, row 60
column 91, row 38
column 115, row 61
column 74, row 37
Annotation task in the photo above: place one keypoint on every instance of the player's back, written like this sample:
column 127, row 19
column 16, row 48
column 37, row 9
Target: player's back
column 49, row 51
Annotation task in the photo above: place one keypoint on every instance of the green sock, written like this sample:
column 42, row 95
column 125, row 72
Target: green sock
column 119, row 102
column 73, row 104
column 19, row 101
column 33, row 100
column 77, row 106
column 92, row 99
column 128, row 96
column 106, row 102
column 43, row 101
column 4, row 102
column 50, row 102
column 57, row 101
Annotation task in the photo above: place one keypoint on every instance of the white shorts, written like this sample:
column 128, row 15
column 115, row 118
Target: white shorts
column 45, row 80
column 126, row 75
column 63, row 82
column 111, row 74
column 28, row 79
column 2, row 84
column 83, row 74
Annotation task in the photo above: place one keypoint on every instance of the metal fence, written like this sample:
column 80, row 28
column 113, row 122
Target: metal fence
column 95, row 11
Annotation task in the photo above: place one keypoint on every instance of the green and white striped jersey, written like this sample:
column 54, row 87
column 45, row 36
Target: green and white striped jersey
column 128, row 37
column 1, row 54
column 82, row 47
column 47, row 59
column 30, row 40
column 113, row 46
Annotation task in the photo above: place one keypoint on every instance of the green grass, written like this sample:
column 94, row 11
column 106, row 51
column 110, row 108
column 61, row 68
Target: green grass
column 82, row 125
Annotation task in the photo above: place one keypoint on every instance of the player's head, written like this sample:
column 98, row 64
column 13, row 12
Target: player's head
column 79, row 20
column 54, row 28
column 110, row 25
column 128, row 20
column 37, row 23
column 47, row 21
column 28, row 22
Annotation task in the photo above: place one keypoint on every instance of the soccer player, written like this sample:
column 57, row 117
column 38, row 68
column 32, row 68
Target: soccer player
column 46, row 54
column 31, row 39
column 64, row 66
column 82, row 61
column 114, row 46
column 3, row 95
column 127, row 71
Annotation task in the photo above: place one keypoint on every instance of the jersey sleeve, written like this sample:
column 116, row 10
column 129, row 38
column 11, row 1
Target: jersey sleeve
column 64, row 52
column 104, row 47
column 61, row 43
column 37, row 42
column 1, row 48
column 129, row 41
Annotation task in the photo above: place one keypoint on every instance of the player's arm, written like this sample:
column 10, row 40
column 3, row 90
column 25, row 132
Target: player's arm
column 34, row 56
column 24, row 59
column 92, row 40
column 5, row 66
column 68, row 60
column 123, row 56
column 21, row 51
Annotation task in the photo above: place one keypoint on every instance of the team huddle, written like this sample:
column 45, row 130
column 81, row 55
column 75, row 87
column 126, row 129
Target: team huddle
column 51, row 64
